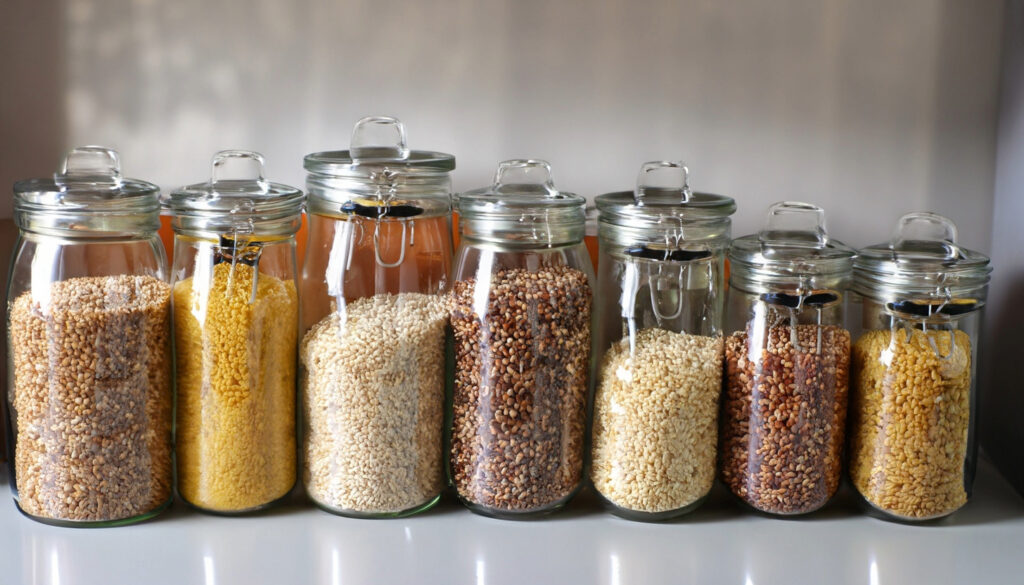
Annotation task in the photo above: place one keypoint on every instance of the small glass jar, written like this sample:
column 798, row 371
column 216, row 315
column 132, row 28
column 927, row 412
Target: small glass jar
column 375, row 309
column 787, row 363
column 913, row 401
column 89, row 325
column 236, row 317
column 521, row 305
column 658, row 344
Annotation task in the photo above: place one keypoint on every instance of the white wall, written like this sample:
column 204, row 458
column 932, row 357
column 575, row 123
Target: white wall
column 1002, row 409
column 871, row 108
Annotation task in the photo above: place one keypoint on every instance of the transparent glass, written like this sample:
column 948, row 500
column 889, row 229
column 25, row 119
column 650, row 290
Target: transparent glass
column 89, row 391
column 658, row 369
column 375, row 310
column 912, row 409
column 521, row 346
column 787, row 366
column 236, row 317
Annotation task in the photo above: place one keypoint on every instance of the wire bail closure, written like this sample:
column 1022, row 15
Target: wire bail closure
column 377, row 138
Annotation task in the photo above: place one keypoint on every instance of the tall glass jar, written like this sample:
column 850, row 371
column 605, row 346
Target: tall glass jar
column 913, row 401
column 236, row 317
column 89, row 325
column 787, row 363
column 375, row 309
column 658, row 344
column 521, row 335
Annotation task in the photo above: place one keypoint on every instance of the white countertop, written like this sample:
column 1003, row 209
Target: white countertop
column 719, row 543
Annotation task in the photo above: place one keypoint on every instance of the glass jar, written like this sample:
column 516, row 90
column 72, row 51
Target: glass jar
column 521, row 305
column 787, row 363
column 236, row 317
column 913, row 401
column 375, row 309
column 89, row 323
column 658, row 344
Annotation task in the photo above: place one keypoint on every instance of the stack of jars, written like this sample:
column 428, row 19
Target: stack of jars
column 502, row 369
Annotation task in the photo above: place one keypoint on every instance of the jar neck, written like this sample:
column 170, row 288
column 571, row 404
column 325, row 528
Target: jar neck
column 86, row 225
column 430, row 192
column 762, row 280
column 214, row 228
column 711, row 235
column 538, row 228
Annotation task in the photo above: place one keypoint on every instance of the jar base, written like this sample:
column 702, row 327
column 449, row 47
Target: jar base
column 348, row 513
column 653, row 517
column 243, row 512
column 875, row 512
column 490, row 512
column 96, row 523
column 780, row 515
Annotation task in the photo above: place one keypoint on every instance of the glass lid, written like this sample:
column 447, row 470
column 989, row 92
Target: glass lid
column 794, row 241
column 236, row 200
column 923, row 259
column 654, row 203
column 377, row 142
column 522, row 205
column 88, row 194
column 379, row 177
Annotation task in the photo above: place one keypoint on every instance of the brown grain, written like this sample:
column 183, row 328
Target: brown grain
column 520, row 388
column 783, row 416
column 92, row 398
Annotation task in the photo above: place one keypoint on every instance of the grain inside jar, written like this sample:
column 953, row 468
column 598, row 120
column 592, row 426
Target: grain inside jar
column 520, row 388
column 656, row 420
column 784, row 414
column 235, row 351
column 910, row 417
column 374, row 404
column 92, row 398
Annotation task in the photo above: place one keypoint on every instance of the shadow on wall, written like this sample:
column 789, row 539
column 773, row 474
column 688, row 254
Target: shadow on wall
column 1002, row 398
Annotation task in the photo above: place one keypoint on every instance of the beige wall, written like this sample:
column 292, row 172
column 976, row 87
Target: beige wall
column 871, row 108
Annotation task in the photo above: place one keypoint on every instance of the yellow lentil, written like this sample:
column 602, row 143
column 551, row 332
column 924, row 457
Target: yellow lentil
column 910, row 413
column 236, row 389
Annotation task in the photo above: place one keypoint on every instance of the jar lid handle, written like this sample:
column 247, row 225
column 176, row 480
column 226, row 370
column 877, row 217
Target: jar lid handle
column 236, row 158
column 790, row 223
column 676, row 169
column 378, row 137
column 525, row 172
column 92, row 164
column 924, row 226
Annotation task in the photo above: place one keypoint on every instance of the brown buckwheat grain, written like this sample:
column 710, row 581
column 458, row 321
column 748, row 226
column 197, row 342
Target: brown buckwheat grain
column 520, row 389
column 656, row 420
column 374, row 402
column 783, row 417
column 910, row 413
column 92, row 398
